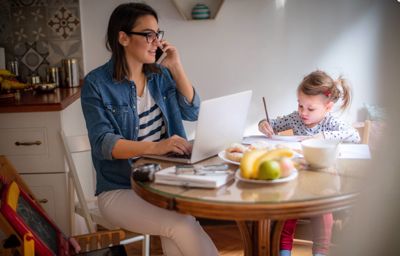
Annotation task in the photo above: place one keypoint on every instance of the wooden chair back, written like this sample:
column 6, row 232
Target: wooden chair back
column 92, row 215
column 364, row 129
column 100, row 239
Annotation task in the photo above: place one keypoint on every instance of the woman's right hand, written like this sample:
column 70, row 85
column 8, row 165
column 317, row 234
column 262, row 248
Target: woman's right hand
column 266, row 128
column 174, row 144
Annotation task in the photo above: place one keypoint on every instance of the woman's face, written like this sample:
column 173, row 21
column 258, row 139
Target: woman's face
column 136, row 46
column 312, row 108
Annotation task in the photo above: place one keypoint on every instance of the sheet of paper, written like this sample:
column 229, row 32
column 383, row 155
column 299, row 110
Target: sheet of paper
column 354, row 151
column 289, row 138
column 262, row 139
column 346, row 151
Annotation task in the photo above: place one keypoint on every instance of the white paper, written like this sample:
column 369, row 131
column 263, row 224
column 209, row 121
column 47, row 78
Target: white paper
column 354, row 151
column 262, row 139
column 288, row 138
column 346, row 151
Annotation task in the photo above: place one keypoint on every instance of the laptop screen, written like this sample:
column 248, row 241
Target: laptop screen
column 221, row 122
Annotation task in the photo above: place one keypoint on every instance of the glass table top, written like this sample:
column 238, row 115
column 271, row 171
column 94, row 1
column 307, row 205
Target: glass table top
column 343, row 180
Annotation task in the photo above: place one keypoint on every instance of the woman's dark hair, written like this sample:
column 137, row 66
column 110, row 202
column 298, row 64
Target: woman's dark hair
column 123, row 18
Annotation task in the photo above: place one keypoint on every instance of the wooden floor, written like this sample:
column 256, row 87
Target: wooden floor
column 226, row 238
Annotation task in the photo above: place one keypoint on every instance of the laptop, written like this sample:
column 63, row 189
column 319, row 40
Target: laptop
column 221, row 122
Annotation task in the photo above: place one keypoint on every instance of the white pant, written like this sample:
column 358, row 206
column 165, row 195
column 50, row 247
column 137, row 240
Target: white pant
column 180, row 234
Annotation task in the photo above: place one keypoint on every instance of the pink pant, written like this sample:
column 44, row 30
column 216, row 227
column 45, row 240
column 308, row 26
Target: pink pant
column 321, row 233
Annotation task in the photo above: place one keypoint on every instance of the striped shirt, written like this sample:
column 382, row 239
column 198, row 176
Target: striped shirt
column 151, row 122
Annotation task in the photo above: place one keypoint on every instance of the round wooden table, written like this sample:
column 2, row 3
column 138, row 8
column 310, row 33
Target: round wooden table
column 260, row 210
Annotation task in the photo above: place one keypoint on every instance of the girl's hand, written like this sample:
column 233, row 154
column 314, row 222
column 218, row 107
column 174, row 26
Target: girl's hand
column 172, row 59
column 174, row 144
column 265, row 128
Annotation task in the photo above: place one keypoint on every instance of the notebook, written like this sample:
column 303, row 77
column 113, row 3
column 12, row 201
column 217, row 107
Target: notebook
column 169, row 177
column 221, row 122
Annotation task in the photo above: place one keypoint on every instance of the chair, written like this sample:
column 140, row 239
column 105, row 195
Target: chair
column 30, row 231
column 364, row 129
column 87, row 207
column 100, row 240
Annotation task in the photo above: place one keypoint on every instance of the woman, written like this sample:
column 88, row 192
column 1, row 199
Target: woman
column 133, row 107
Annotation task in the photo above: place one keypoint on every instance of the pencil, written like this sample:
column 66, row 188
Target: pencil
column 265, row 108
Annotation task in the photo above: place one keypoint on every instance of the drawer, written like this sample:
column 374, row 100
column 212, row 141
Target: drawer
column 32, row 149
column 23, row 141
column 52, row 193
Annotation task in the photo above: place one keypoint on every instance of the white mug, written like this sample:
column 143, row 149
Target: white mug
column 320, row 153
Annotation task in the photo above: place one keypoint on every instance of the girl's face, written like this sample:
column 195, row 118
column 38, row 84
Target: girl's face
column 313, row 108
column 137, row 47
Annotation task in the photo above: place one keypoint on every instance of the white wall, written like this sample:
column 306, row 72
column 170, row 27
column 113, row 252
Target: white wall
column 256, row 45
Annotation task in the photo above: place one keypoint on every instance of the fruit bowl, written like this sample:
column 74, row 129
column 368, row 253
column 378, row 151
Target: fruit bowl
column 292, row 176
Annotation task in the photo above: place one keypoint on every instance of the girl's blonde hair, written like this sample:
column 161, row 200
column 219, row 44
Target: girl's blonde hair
column 320, row 83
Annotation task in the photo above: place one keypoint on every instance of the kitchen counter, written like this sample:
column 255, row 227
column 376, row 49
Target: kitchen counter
column 58, row 100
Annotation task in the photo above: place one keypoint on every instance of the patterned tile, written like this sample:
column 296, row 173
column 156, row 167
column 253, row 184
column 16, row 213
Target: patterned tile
column 63, row 2
column 39, row 33
column 32, row 59
column 59, row 50
column 27, row 3
column 5, row 24
column 63, row 22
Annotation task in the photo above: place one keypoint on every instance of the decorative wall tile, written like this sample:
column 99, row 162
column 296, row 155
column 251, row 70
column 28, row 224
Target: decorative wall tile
column 40, row 33
column 29, row 3
column 63, row 22
column 32, row 59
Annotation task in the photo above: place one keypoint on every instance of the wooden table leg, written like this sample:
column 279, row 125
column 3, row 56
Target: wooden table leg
column 263, row 237
column 258, row 239
column 276, row 237
column 246, row 237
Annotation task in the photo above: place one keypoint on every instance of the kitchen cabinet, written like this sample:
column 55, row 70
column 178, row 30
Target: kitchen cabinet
column 31, row 141
column 184, row 7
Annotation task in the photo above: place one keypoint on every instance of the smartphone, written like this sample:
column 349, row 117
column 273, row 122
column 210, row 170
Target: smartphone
column 160, row 55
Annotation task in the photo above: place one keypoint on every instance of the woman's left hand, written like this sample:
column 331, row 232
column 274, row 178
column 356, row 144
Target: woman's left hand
column 172, row 59
column 174, row 65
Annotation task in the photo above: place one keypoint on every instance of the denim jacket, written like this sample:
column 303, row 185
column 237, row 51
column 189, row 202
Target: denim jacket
column 110, row 111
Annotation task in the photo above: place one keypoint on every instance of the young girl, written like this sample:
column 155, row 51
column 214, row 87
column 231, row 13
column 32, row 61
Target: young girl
column 316, row 94
column 133, row 107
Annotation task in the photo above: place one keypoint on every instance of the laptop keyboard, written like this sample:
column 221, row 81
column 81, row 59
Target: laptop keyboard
column 176, row 155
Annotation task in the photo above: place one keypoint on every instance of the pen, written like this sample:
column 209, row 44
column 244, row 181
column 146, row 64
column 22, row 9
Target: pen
column 265, row 108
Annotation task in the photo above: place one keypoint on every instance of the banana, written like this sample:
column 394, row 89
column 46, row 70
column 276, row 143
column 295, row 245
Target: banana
column 272, row 154
column 10, row 84
column 246, row 164
column 5, row 72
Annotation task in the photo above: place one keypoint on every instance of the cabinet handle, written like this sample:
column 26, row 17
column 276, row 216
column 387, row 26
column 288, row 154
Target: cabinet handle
column 43, row 201
column 38, row 142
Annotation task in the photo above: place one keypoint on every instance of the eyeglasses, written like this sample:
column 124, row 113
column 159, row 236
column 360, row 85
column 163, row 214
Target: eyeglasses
column 150, row 36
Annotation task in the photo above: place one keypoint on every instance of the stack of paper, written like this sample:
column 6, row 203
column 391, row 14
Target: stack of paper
column 212, row 180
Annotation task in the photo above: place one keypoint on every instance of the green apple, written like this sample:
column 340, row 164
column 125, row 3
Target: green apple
column 269, row 170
